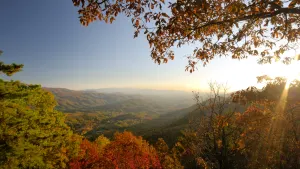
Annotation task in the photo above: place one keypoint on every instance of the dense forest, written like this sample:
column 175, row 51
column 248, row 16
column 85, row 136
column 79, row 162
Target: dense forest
column 245, row 129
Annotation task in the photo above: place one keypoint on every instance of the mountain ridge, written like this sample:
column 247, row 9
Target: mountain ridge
column 80, row 100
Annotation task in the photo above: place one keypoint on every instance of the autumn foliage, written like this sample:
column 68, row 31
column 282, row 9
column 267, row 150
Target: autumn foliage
column 234, row 28
column 88, row 157
column 125, row 151
column 263, row 135
column 129, row 151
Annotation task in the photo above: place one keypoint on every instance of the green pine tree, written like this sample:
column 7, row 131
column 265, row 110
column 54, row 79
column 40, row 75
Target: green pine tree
column 9, row 69
column 32, row 133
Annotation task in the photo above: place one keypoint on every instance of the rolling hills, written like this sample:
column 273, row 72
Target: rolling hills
column 92, row 113
column 152, row 116
column 92, row 100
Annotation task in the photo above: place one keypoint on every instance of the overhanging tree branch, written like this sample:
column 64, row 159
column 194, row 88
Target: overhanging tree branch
column 255, row 16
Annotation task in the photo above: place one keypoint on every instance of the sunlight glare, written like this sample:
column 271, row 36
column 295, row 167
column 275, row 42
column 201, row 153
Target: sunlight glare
column 291, row 72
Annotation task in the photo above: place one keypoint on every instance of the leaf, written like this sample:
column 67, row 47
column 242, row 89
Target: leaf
column 165, row 15
column 111, row 19
column 165, row 60
column 137, row 23
column 292, row 4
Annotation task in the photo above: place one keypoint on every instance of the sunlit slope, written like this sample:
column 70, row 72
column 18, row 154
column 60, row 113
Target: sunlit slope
column 72, row 100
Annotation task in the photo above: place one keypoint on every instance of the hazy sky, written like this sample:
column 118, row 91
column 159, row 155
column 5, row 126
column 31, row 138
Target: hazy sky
column 57, row 51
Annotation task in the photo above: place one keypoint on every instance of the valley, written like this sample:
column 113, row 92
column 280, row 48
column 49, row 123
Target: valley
column 150, row 114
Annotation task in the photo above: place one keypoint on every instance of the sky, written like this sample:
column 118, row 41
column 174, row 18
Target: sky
column 57, row 51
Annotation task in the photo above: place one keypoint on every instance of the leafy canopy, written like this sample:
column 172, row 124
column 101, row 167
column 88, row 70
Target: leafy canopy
column 125, row 151
column 236, row 28
column 32, row 133
column 168, row 159
column 129, row 151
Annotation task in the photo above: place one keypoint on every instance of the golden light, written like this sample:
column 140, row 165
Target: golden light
column 291, row 72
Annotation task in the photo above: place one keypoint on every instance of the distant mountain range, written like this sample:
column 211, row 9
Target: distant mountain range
column 121, row 99
column 148, row 92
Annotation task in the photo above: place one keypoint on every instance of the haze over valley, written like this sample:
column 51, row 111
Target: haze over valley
column 118, row 109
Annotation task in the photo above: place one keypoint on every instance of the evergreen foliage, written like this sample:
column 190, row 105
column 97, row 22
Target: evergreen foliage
column 32, row 133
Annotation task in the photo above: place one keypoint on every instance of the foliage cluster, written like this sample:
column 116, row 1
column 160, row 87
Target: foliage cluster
column 265, row 135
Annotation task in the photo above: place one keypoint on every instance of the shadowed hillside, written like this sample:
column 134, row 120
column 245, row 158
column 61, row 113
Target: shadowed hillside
column 170, row 125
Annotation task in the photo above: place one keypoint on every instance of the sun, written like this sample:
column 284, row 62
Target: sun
column 291, row 71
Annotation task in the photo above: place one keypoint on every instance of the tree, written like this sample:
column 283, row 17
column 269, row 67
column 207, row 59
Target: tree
column 263, row 133
column 88, row 157
column 124, row 152
column 236, row 28
column 9, row 69
column 281, row 142
column 251, row 141
column 101, row 142
column 73, row 149
column 272, row 91
column 168, row 159
column 130, row 152
column 211, row 137
column 32, row 133
column 225, row 135
column 90, row 154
